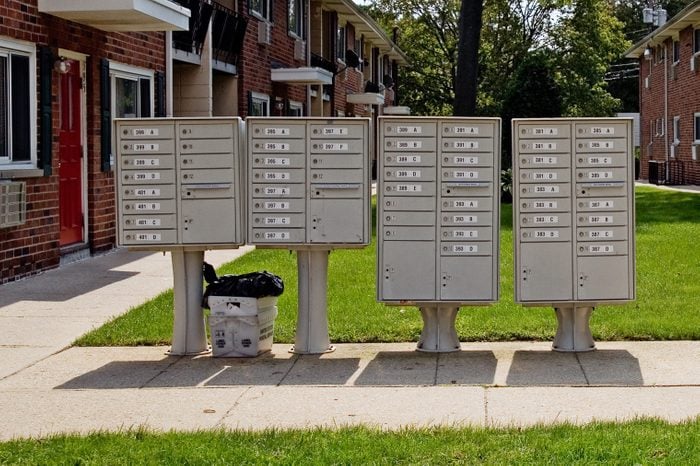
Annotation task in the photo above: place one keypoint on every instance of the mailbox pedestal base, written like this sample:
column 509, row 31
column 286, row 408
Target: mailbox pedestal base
column 573, row 330
column 312, row 315
column 439, row 334
column 189, row 334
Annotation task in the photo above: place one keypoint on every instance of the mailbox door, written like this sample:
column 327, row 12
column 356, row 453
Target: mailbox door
column 408, row 271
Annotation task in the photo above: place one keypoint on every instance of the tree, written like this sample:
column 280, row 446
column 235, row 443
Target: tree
column 468, row 57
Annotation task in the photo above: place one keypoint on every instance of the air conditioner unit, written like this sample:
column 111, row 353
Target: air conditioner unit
column 299, row 50
column 672, row 152
column 264, row 33
column 674, row 72
column 13, row 203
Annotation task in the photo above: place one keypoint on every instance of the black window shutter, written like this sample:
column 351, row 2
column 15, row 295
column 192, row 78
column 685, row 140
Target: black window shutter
column 105, row 115
column 271, row 10
column 145, row 95
column 45, row 116
column 20, row 108
column 250, row 104
column 159, row 86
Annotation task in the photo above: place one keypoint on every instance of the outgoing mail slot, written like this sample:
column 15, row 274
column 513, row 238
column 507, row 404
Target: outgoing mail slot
column 341, row 146
column 409, row 174
column 467, row 160
column 337, row 161
column 601, row 130
column 545, row 234
column 278, row 235
column 545, row 205
column 466, row 188
column 408, row 218
column 409, row 203
column 277, row 130
column 148, row 177
column 146, row 221
column 208, row 191
column 409, row 188
column 149, row 192
column 279, row 175
column 602, row 248
column 337, row 131
column 278, row 205
column 545, row 161
column 141, row 162
column 465, row 234
column 467, row 144
column 465, row 248
column 544, row 146
column 542, row 130
column 279, row 160
column 472, row 129
column 278, row 146
column 409, row 128
column 206, row 131
column 204, row 176
column 336, row 191
column 337, row 176
column 279, row 220
column 467, row 174
column 545, row 190
column 601, row 160
column 601, row 204
column 467, row 204
column 545, row 175
column 600, row 145
column 592, row 175
column 207, row 161
column 601, row 189
column 412, row 233
column 601, row 218
column 393, row 159
column 409, row 144
column 147, row 131
column 164, row 206
column 465, row 219
column 559, row 219
column 149, row 237
column 281, row 190
column 206, row 146
column 147, row 147
column 602, row 233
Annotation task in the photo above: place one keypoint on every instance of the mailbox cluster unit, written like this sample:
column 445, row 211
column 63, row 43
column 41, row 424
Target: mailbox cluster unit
column 180, row 182
column 438, row 209
column 573, row 210
column 309, row 182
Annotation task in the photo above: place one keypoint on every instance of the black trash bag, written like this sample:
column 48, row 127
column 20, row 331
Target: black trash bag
column 249, row 285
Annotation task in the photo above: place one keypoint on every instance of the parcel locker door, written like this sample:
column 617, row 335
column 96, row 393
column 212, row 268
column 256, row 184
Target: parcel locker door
column 545, row 272
column 208, row 221
column 408, row 271
column 337, row 221
column 467, row 278
column 604, row 277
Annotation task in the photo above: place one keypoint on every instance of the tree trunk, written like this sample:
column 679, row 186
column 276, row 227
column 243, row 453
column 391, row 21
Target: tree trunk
column 468, row 57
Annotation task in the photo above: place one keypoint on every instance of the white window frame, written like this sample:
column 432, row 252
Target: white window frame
column 265, row 15
column 299, row 30
column 696, row 125
column 677, row 129
column 296, row 106
column 8, row 47
column 676, row 47
column 261, row 98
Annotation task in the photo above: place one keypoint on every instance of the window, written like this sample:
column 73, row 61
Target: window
column 260, row 8
column 676, row 130
column 660, row 53
column 676, row 51
column 696, row 134
column 340, row 44
column 17, row 104
column 259, row 104
column 296, row 109
column 132, row 91
column 696, row 41
column 295, row 18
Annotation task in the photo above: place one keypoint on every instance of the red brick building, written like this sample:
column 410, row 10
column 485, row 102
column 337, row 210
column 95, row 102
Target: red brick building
column 669, row 96
column 69, row 67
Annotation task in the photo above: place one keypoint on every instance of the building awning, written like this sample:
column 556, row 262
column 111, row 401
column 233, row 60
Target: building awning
column 689, row 16
column 302, row 76
column 365, row 98
column 121, row 15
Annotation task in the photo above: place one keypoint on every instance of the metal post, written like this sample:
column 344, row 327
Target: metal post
column 312, row 315
column 189, row 335
column 573, row 329
column 439, row 334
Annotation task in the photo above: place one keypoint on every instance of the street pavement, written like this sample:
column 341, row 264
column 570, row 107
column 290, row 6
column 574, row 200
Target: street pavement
column 49, row 387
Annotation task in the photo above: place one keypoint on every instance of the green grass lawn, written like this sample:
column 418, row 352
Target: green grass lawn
column 668, row 291
column 638, row 442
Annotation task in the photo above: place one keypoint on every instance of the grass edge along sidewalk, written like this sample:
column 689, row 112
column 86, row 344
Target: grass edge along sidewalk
column 635, row 442
column 668, row 225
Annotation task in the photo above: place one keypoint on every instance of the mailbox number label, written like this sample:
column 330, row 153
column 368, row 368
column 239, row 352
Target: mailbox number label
column 408, row 174
column 144, row 192
column 145, row 131
column 600, row 219
column 544, row 176
column 277, row 220
column 465, row 144
column 409, row 188
column 543, row 188
column 147, row 162
column 465, row 248
column 147, row 222
column 597, row 234
column 546, row 219
column 466, row 130
column 601, row 145
column 545, row 131
column 277, row 131
column 601, row 249
column 544, row 146
column 147, row 206
column 604, row 204
column 465, row 234
column 334, row 146
column 600, row 160
column 147, row 176
column 148, row 237
column 408, row 158
column 409, row 144
column 409, row 129
column 466, row 175
column 277, row 176
column 276, row 205
column 466, row 203
column 277, row 161
column 281, row 235
column 602, row 130
column 600, row 175
column 545, row 234
column 545, row 204
column 280, row 146
column 277, row 191
column 335, row 131
column 146, row 147
column 462, row 160
column 545, row 160
column 465, row 219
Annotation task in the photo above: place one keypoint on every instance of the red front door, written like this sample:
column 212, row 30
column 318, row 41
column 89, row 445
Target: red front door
column 70, row 153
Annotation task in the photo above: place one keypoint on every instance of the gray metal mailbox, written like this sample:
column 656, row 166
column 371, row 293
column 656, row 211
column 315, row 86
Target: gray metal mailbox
column 573, row 213
column 438, row 218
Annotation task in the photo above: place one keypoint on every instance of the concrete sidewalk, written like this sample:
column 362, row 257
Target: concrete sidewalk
column 46, row 387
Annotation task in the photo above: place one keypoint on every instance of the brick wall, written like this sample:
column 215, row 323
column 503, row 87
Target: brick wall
column 34, row 246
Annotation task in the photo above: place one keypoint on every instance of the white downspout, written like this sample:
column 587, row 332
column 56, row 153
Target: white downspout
column 666, row 59
column 168, row 73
